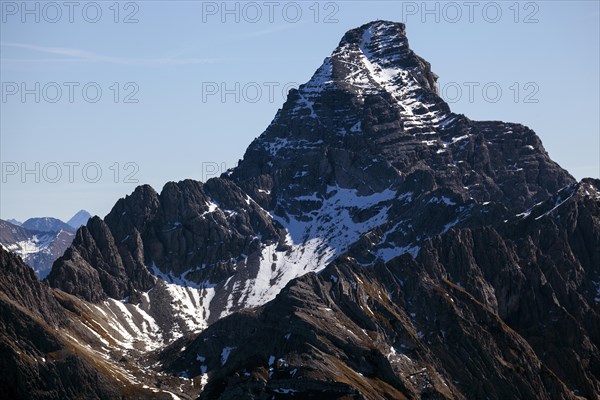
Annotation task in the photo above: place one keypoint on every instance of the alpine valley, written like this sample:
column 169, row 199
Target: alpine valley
column 371, row 244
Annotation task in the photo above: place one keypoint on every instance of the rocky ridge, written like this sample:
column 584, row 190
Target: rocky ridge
column 480, row 313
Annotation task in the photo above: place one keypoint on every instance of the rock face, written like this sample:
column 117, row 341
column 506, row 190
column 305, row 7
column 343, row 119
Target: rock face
column 539, row 273
column 370, row 244
column 56, row 346
column 481, row 313
column 35, row 361
column 207, row 226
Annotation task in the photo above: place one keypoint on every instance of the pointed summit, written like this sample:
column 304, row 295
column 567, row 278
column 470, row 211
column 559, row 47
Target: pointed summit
column 379, row 45
column 372, row 60
column 374, row 239
column 375, row 102
column 80, row 218
column 365, row 160
column 385, row 50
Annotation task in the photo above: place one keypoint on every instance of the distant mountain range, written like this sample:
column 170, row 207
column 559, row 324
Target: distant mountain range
column 47, row 224
column 41, row 240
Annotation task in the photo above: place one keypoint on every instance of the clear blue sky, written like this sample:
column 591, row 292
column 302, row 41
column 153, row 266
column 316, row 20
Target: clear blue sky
column 179, row 49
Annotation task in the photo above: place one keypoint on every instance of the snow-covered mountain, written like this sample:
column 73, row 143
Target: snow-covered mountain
column 47, row 224
column 39, row 249
column 370, row 243
column 40, row 241
column 357, row 152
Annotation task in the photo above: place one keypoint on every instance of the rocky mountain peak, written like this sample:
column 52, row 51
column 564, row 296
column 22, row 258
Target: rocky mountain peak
column 80, row 218
column 363, row 161
column 371, row 243
column 379, row 36
column 373, row 66
column 371, row 113
column 364, row 158
column 381, row 50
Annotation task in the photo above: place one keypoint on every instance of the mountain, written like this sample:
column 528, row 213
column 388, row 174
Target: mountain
column 38, row 249
column 46, row 345
column 40, row 241
column 370, row 244
column 79, row 219
column 14, row 222
column 359, row 151
column 47, row 224
column 486, row 312
column 39, row 361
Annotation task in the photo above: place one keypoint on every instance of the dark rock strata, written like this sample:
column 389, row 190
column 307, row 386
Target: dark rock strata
column 36, row 359
column 496, row 312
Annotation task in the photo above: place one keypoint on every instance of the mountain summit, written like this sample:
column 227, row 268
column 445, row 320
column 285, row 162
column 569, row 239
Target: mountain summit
column 375, row 97
column 365, row 159
column 370, row 244
column 80, row 218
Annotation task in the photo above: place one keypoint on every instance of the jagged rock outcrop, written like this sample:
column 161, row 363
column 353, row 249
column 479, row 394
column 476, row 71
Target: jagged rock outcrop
column 93, row 267
column 35, row 360
column 191, row 229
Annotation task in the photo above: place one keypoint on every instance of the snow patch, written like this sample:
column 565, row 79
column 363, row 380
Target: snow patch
column 225, row 354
